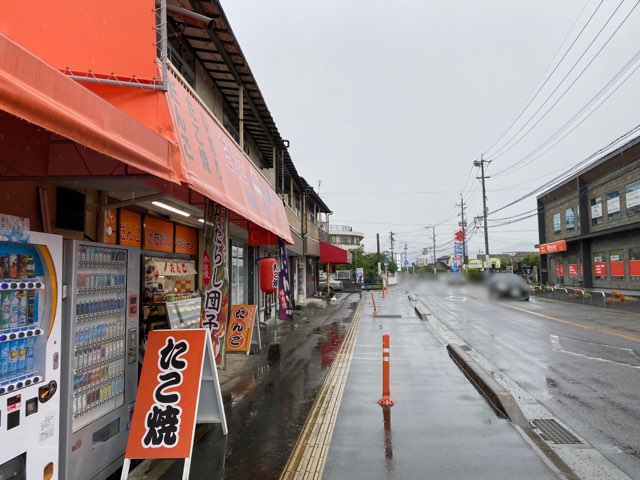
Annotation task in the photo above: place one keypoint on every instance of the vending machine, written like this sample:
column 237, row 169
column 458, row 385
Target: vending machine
column 30, row 356
column 100, row 368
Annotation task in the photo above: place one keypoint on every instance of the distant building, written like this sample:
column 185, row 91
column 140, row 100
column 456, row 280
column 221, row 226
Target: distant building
column 422, row 261
column 589, row 225
column 344, row 237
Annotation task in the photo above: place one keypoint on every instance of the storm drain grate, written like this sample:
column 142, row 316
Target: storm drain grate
column 389, row 316
column 466, row 348
column 552, row 431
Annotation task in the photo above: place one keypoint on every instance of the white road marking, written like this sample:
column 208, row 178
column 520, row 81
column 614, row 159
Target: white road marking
column 557, row 347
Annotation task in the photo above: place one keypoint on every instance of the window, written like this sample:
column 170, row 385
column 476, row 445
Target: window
column 613, row 205
column 599, row 266
column 237, row 274
column 633, row 198
column 569, row 219
column 634, row 263
column 596, row 211
column 556, row 223
column 616, row 263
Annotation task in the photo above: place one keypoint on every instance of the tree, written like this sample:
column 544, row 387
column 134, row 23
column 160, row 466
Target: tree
column 530, row 260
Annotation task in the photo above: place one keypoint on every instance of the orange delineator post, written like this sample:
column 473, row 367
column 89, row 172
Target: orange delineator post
column 375, row 311
column 386, row 391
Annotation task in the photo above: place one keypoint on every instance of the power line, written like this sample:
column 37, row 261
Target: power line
column 532, row 96
column 502, row 150
column 625, row 68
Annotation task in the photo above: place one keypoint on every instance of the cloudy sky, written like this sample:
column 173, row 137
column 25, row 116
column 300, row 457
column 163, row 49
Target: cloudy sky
column 387, row 104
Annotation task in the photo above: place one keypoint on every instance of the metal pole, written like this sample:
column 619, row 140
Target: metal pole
column 484, row 210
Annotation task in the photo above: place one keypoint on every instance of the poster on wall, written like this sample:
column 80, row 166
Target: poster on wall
column 215, row 282
column 285, row 306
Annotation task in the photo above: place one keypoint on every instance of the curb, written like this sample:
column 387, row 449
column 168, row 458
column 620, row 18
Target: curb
column 504, row 402
column 499, row 397
column 422, row 311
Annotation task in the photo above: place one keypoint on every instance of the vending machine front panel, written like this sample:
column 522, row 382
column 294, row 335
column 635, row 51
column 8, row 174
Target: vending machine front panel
column 100, row 383
column 30, row 286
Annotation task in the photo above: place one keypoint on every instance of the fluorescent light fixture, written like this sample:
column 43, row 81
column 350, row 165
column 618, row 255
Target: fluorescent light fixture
column 201, row 220
column 171, row 209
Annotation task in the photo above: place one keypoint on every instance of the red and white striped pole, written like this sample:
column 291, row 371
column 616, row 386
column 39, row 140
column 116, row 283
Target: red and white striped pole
column 386, row 391
column 375, row 310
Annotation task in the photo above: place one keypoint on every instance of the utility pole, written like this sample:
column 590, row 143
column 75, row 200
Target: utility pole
column 463, row 224
column 433, row 231
column 480, row 163
column 406, row 264
column 378, row 257
column 391, row 241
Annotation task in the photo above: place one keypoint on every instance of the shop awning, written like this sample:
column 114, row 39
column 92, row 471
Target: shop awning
column 38, row 93
column 332, row 254
column 211, row 160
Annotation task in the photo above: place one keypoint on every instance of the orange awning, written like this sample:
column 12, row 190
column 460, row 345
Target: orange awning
column 38, row 93
column 212, row 162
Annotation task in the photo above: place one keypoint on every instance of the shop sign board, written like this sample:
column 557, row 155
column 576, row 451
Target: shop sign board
column 476, row 263
column 130, row 228
column 158, row 235
column 179, row 387
column 600, row 269
column 216, row 296
column 241, row 323
column 285, row 306
column 186, row 240
column 634, row 268
column 613, row 205
column 110, row 226
column 617, row 269
column 559, row 246
column 573, row 270
column 633, row 198
column 559, row 271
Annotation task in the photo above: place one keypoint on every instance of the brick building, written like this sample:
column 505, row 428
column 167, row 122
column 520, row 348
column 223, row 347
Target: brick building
column 589, row 225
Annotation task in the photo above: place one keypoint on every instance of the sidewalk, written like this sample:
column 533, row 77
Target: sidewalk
column 440, row 425
column 242, row 380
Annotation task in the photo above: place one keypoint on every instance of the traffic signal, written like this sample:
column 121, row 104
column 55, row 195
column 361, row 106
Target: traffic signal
column 459, row 236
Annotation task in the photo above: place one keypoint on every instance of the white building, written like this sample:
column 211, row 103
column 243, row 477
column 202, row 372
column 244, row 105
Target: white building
column 343, row 236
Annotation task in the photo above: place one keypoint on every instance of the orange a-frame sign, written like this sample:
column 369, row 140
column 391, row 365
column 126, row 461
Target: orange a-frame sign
column 240, row 328
column 179, row 387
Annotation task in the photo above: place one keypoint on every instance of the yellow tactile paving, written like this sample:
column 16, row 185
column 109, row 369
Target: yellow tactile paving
column 308, row 456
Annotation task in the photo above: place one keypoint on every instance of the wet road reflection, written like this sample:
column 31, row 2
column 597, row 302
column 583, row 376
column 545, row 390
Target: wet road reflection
column 267, row 412
column 388, row 438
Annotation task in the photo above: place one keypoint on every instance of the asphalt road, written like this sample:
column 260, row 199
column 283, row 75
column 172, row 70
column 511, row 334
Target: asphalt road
column 582, row 363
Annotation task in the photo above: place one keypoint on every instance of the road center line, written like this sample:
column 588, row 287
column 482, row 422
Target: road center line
column 579, row 325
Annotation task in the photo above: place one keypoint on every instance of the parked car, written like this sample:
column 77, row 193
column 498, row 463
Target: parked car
column 509, row 285
column 336, row 285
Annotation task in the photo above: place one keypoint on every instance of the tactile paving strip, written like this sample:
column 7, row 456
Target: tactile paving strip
column 309, row 454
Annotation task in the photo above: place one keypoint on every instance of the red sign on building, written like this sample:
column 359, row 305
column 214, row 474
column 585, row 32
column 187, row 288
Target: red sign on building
column 559, row 246
column 600, row 269
column 573, row 270
column 559, row 270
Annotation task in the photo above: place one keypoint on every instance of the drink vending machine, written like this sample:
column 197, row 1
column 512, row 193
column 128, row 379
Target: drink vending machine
column 30, row 349
column 100, row 370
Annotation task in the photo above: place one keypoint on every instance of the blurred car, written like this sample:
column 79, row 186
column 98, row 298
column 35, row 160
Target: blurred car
column 509, row 285
column 336, row 285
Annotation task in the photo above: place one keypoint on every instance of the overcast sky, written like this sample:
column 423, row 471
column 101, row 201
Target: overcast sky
column 387, row 104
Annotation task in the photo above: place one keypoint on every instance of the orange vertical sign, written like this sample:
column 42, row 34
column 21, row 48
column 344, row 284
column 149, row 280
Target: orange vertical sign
column 158, row 235
column 110, row 226
column 130, row 228
column 186, row 240
column 166, row 404
column 240, row 328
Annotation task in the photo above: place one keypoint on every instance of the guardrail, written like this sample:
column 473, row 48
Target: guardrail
column 595, row 298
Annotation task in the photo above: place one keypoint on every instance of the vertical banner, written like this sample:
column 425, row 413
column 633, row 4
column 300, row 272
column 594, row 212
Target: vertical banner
column 285, row 306
column 215, row 282
column 240, row 328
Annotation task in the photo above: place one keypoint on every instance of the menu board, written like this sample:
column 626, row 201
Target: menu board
column 184, row 313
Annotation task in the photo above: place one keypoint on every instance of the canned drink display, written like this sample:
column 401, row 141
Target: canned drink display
column 13, row 265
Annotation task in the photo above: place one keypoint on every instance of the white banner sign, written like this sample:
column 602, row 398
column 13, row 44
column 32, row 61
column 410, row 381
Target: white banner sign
column 613, row 205
column 633, row 199
column 596, row 210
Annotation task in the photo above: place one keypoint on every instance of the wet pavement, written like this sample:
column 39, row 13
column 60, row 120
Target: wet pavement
column 440, row 425
column 582, row 363
column 266, row 403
